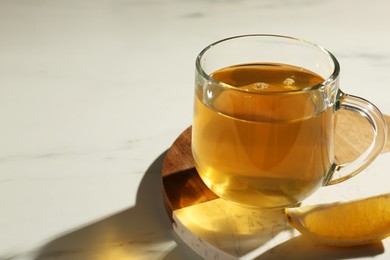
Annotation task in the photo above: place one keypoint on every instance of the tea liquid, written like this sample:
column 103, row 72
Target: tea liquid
column 261, row 141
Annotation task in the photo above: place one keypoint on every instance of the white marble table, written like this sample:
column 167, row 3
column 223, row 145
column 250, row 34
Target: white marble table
column 92, row 93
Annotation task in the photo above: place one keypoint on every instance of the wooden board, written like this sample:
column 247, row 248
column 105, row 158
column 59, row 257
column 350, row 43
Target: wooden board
column 216, row 229
column 182, row 186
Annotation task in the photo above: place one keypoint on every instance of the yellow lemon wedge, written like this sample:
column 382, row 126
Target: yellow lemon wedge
column 358, row 222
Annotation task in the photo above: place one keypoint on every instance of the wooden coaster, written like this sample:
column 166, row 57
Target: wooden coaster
column 216, row 229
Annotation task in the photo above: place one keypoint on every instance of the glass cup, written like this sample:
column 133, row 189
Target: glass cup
column 263, row 126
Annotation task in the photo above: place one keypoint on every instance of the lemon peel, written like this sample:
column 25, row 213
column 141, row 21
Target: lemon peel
column 357, row 222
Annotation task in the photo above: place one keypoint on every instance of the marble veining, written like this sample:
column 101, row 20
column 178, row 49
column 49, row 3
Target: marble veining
column 375, row 58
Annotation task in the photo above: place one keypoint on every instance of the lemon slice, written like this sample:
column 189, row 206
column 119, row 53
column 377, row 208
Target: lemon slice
column 351, row 223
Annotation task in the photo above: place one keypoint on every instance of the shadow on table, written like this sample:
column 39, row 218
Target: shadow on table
column 304, row 249
column 141, row 232
column 145, row 232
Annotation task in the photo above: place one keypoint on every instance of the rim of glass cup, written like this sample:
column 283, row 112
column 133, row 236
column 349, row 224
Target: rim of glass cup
column 333, row 76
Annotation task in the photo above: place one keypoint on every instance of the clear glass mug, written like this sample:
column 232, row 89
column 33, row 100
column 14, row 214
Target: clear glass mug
column 271, row 144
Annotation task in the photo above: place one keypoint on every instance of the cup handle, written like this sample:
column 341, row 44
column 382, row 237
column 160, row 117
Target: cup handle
column 379, row 125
